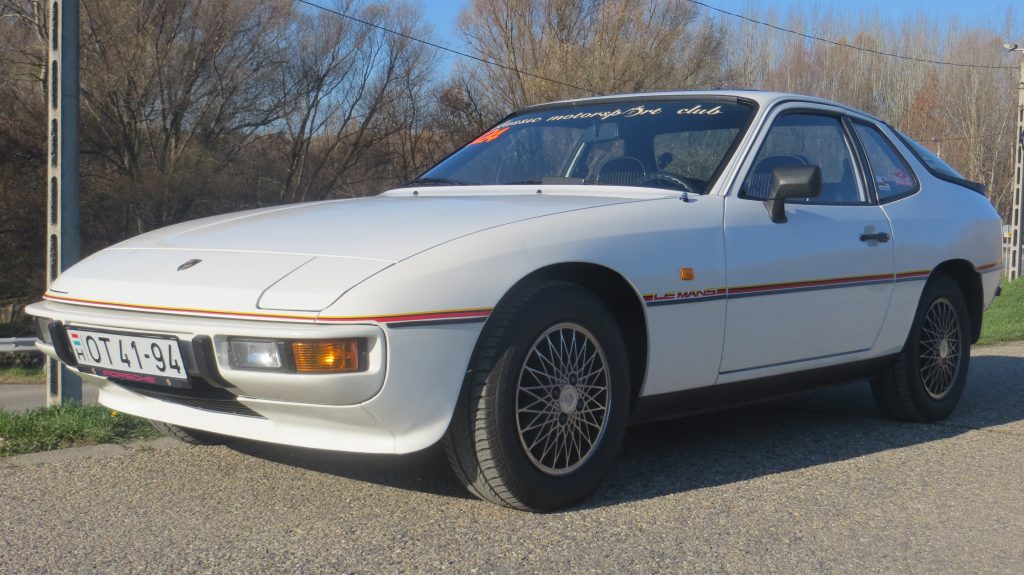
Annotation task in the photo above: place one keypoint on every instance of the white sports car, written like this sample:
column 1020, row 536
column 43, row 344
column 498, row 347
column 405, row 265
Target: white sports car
column 582, row 265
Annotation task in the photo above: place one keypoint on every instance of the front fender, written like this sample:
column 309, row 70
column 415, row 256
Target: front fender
column 436, row 302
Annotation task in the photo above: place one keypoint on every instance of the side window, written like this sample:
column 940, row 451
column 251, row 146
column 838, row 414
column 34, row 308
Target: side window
column 893, row 177
column 804, row 139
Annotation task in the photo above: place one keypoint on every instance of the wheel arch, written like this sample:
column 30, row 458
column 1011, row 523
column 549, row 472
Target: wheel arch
column 968, row 280
column 621, row 298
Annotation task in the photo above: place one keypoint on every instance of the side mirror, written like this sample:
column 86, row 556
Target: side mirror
column 791, row 182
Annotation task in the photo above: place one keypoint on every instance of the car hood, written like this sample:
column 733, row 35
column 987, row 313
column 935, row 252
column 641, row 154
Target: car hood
column 296, row 258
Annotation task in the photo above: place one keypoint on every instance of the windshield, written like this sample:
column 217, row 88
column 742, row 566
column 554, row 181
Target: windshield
column 674, row 144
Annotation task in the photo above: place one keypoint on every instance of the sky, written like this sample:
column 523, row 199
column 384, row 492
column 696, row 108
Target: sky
column 442, row 14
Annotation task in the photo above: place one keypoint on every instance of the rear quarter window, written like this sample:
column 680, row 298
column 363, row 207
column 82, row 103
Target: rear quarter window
column 893, row 177
column 938, row 167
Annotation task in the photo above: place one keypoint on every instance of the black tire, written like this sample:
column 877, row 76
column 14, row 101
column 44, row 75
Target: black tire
column 486, row 442
column 912, row 388
column 186, row 435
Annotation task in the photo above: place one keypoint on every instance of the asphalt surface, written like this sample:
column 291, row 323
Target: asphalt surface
column 19, row 397
column 816, row 483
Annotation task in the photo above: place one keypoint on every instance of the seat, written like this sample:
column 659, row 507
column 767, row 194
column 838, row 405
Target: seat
column 844, row 191
column 622, row 171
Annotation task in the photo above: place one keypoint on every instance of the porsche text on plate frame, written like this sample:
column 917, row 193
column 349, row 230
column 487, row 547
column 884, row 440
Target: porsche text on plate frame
column 580, row 266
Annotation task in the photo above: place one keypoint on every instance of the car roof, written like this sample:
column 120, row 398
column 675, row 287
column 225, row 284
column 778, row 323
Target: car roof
column 764, row 99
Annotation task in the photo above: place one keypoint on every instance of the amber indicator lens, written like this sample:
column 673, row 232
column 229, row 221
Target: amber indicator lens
column 329, row 356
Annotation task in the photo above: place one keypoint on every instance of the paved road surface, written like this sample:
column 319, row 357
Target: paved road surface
column 19, row 397
column 811, row 484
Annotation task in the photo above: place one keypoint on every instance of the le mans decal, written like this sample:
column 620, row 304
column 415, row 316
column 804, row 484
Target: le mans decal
column 688, row 294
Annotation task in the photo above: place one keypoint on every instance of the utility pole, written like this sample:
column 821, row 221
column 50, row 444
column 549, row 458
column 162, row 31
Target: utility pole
column 62, row 229
column 1016, row 239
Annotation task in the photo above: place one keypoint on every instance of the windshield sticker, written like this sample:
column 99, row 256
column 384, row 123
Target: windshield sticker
column 605, row 115
column 511, row 123
column 489, row 136
column 634, row 112
column 698, row 110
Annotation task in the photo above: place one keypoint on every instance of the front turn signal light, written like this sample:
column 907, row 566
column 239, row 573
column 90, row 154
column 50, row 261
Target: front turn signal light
column 327, row 356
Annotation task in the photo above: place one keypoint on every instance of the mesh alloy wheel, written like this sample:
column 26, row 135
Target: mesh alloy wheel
column 544, row 408
column 939, row 348
column 926, row 380
column 562, row 399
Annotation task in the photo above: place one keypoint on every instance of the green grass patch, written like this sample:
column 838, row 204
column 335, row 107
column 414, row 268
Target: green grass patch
column 21, row 375
column 1004, row 319
column 68, row 425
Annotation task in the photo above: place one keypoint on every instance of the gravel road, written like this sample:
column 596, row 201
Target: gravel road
column 815, row 483
column 21, row 396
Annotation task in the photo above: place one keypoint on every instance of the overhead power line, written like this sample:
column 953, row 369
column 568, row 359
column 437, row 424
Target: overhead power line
column 978, row 137
column 844, row 45
column 697, row 2
column 447, row 49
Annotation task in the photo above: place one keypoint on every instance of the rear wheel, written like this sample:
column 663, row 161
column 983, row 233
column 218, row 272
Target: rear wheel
column 544, row 408
column 927, row 379
column 186, row 435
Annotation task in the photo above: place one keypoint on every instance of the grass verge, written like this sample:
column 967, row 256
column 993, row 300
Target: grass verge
column 1004, row 319
column 10, row 375
column 69, row 425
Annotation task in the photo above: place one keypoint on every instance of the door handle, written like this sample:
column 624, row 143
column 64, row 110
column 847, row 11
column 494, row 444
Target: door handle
column 879, row 237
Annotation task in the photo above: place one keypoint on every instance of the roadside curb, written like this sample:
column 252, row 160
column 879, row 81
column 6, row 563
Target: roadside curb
column 91, row 452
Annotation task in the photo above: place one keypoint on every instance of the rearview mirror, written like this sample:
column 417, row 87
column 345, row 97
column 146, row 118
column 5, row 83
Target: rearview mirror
column 791, row 182
column 605, row 132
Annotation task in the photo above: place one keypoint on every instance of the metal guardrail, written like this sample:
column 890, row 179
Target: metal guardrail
column 18, row 345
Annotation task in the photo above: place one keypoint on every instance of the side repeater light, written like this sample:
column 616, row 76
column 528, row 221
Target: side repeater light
column 327, row 356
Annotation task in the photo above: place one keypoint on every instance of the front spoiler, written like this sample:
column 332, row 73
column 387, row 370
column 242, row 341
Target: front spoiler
column 426, row 365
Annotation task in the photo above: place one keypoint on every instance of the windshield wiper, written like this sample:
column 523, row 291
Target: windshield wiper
column 434, row 182
column 548, row 180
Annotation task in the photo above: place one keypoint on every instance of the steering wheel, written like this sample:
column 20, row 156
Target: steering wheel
column 672, row 179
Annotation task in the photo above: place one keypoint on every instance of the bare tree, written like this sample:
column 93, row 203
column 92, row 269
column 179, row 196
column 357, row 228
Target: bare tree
column 172, row 84
column 963, row 113
column 589, row 46
column 359, row 92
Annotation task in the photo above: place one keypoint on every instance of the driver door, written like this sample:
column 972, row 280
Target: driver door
column 810, row 288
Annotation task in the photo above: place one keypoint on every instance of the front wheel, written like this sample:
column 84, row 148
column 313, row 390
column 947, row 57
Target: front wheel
column 926, row 380
column 545, row 404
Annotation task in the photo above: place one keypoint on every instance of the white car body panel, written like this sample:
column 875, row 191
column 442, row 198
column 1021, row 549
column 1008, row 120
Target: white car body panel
column 417, row 272
column 783, row 309
column 805, row 291
column 240, row 259
column 500, row 257
column 378, row 227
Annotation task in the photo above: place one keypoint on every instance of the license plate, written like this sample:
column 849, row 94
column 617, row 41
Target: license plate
column 140, row 358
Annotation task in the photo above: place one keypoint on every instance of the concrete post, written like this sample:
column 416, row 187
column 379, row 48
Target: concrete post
column 1016, row 239
column 62, row 233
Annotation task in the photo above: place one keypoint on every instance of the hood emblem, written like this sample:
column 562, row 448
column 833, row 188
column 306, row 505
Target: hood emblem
column 188, row 264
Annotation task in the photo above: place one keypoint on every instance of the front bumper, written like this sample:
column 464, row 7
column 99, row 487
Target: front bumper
column 402, row 403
